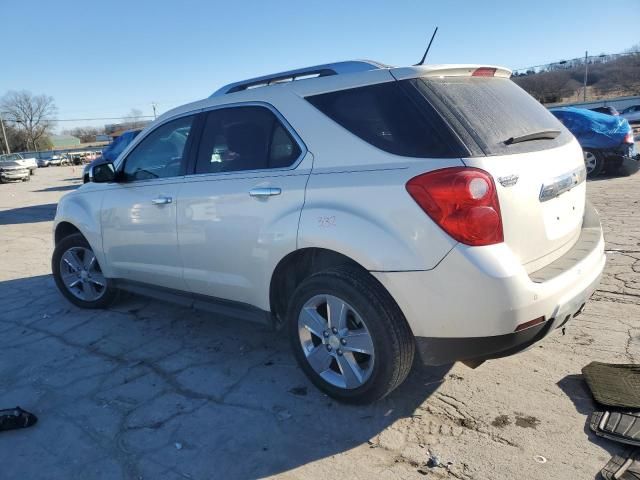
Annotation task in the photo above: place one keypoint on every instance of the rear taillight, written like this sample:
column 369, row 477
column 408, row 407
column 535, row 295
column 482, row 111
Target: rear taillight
column 484, row 72
column 462, row 201
column 628, row 138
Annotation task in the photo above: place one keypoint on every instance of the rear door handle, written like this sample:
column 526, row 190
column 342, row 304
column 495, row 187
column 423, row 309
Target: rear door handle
column 265, row 192
column 161, row 200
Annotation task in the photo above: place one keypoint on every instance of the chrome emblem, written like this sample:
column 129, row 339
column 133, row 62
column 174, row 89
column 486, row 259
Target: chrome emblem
column 509, row 180
column 557, row 186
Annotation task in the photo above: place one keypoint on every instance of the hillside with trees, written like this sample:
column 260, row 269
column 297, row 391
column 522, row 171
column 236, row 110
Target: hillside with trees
column 608, row 76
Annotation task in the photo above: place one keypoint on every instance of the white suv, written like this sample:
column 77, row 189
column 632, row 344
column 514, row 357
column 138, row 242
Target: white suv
column 372, row 212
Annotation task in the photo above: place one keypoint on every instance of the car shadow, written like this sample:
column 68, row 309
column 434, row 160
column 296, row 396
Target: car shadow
column 33, row 214
column 575, row 387
column 63, row 188
column 175, row 389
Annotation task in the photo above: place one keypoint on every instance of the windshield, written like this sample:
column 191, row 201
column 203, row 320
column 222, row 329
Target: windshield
column 490, row 111
column 10, row 157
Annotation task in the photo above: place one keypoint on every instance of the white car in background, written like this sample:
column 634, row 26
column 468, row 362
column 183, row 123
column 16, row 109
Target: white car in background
column 365, row 211
column 29, row 163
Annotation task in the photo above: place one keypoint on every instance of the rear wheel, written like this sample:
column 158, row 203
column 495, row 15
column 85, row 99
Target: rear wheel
column 78, row 275
column 593, row 162
column 349, row 336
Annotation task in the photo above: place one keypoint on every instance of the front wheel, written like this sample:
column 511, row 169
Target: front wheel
column 349, row 336
column 593, row 162
column 78, row 275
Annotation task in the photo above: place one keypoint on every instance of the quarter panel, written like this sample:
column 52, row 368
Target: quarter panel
column 368, row 216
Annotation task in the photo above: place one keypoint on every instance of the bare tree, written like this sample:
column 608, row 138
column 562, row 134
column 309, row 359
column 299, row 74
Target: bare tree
column 32, row 115
column 134, row 119
column 85, row 134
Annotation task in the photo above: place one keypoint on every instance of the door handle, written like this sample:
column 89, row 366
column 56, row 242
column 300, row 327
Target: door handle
column 261, row 192
column 161, row 200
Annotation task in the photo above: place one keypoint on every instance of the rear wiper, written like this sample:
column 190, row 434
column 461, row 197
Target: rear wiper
column 541, row 135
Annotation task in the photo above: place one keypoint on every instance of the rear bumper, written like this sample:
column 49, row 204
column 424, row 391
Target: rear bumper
column 441, row 351
column 471, row 304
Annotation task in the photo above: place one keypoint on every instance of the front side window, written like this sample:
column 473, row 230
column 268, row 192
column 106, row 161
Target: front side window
column 161, row 153
column 244, row 138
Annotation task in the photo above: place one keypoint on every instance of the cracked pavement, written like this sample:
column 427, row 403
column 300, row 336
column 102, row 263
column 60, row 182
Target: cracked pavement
column 148, row 390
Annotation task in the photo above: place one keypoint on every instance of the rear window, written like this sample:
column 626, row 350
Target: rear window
column 488, row 111
column 392, row 117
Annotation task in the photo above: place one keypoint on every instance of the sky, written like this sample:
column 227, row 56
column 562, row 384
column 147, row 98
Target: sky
column 101, row 59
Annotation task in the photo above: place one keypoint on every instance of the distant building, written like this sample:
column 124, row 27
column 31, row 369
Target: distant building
column 103, row 138
column 64, row 141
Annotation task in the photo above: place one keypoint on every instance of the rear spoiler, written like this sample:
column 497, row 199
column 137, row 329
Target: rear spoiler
column 404, row 73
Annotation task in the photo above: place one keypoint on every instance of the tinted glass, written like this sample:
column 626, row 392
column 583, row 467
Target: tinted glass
column 161, row 153
column 391, row 118
column 244, row 138
column 492, row 110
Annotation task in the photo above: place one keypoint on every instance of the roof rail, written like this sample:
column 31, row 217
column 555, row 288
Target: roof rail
column 337, row 68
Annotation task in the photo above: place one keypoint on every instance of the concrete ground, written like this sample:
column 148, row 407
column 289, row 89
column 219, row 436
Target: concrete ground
column 148, row 391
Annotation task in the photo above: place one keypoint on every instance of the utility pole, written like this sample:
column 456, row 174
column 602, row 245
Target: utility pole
column 154, row 110
column 4, row 134
column 586, row 69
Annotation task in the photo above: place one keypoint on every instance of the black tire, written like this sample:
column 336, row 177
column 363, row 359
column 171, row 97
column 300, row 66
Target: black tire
column 77, row 240
column 599, row 163
column 393, row 341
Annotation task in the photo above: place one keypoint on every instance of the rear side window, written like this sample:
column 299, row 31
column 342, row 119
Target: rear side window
column 391, row 118
column 244, row 138
column 489, row 111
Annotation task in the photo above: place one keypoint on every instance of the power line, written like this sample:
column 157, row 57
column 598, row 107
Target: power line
column 96, row 119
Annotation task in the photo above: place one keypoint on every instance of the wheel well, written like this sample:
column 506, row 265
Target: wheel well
column 64, row 229
column 294, row 268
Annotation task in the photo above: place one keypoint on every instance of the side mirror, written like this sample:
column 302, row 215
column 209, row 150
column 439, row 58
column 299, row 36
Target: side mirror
column 102, row 173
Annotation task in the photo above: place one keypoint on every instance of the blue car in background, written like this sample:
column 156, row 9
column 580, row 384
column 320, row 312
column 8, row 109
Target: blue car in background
column 607, row 141
column 111, row 151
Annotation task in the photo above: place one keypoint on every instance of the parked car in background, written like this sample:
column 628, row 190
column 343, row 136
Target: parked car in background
column 632, row 113
column 607, row 141
column 29, row 163
column 111, row 151
column 13, row 169
column 44, row 160
column 367, row 212
column 606, row 111
column 56, row 159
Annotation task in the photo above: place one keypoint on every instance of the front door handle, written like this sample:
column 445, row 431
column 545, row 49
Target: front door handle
column 161, row 200
column 261, row 192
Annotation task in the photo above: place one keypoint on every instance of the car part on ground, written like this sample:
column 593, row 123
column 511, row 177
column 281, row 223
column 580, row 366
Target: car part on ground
column 614, row 385
column 624, row 466
column 14, row 418
column 379, row 192
column 619, row 426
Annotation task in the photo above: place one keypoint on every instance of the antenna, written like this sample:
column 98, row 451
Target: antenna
column 424, row 57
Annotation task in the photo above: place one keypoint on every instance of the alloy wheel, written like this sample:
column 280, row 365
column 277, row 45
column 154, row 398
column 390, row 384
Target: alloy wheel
column 336, row 342
column 81, row 274
column 590, row 162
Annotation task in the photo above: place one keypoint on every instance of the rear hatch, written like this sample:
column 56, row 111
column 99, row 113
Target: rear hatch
column 536, row 163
